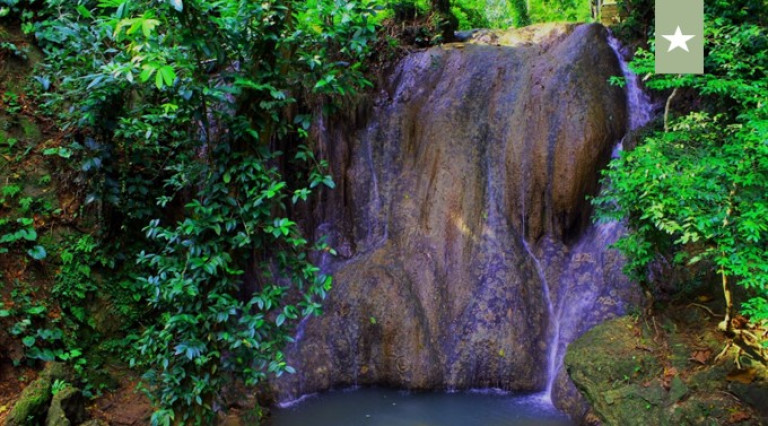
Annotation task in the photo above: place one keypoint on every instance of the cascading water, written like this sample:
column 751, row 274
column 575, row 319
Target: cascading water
column 570, row 307
column 638, row 102
column 554, row 324
column 458, row 199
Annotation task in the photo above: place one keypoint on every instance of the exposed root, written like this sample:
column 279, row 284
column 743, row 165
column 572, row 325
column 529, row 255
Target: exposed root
column 644, row 348
column 750, row 345
column 729, row 394
column 747, row 344
column 666, row 109
column 706, row 309
column 722, row 353
column 657, row 335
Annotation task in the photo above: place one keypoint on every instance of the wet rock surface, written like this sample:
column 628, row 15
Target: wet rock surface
column 472, row 164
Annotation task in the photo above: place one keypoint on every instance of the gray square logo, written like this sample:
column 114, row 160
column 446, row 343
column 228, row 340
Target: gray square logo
column 679, row 36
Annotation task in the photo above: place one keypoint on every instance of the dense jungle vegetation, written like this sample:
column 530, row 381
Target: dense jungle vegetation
column 179, row 133
column 694, row 190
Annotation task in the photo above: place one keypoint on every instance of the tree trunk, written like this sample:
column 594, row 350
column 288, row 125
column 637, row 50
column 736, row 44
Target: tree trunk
column 727, row 324
column 522, row 18
column 447, row 23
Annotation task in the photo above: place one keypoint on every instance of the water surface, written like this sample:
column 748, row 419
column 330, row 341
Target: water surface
column 386, row 407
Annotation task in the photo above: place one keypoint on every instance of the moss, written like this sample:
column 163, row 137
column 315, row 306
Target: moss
column 32, row 406
column 31, row 131
column 95, row 422
column 620, row 362
column 67, row 408
column 618, row 368
column 57, row 371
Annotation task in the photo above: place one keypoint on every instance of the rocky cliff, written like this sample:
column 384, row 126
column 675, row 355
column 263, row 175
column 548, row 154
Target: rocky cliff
column 467, row 257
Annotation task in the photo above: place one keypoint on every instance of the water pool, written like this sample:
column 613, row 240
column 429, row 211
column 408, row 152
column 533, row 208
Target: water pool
column 386, row 407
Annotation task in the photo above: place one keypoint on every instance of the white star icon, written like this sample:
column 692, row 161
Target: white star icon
column 678, row 40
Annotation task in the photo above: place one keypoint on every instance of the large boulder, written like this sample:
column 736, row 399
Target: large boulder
column 462, row 219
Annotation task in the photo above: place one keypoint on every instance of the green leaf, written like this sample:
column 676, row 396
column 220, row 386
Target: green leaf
column 147, row 25
column 328, row 181
column 169, row 75
column 146, row 73
column 84, row 12
column 159, row 80
column 35, row 310
column 60, row 151
column 28, row 341
column 37, row 252
column 28, row 234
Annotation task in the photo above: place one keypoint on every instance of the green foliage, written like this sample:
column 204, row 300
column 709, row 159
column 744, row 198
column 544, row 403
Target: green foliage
column 13, row 49
column 11, row 100
column 697, row 191
column 471, row 14
column 75, row 283
column 552, row 11
column 639, row 22
column 19, row 235
column 58, row 385
column 192, row 116
column 522, row 14
column 499, row 13
column 42, row 338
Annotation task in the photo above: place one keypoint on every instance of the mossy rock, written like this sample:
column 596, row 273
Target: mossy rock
column 13, row 69
column 67, row 408
column 611, row 370
column 609, row 354
column 629, row 378
column 32, row 406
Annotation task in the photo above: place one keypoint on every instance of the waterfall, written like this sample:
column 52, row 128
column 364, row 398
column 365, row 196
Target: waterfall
column 639, row 105
column 554, row 324
column 571, row 308
column 458, row 200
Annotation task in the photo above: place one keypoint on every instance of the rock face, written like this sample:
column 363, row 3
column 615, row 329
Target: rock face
column 462, row 221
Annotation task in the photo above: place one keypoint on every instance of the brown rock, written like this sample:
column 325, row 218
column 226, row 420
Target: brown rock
column 472, row 169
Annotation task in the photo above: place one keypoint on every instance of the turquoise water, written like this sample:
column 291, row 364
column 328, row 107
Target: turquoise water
column 386, row 407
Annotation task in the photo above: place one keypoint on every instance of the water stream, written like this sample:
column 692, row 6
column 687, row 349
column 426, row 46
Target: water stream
column 554, row 324
column 639, row 105
column 639, row 111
